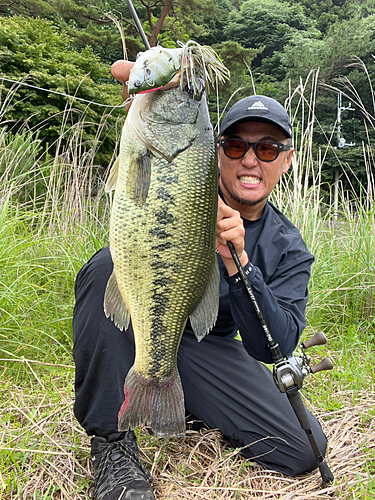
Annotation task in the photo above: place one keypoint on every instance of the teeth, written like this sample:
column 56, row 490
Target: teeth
column 250, row 180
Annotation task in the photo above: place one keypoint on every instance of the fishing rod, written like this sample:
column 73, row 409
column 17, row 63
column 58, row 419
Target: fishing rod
column 138, row 24
column 290, row 371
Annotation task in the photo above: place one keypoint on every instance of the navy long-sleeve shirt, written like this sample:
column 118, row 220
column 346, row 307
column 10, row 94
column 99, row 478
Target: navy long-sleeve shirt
column 278, row 271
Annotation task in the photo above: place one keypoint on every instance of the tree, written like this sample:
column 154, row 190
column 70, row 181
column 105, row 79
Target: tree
column 267, row 25
column 84, row 22
column 238, row 60
column 35, row 51
column 31, row 7
column 164, row 21
column 325, row 13
column 335, row 55
column 332, row 53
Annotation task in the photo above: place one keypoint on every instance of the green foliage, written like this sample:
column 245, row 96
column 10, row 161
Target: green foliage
column 334, row 56
column 29, row 8
column 214, row 25
column 238, row 61
column 30, row 287
column 18, row 153
column 35, row 51
column 330, row 54
column 164, row 22
column 326, row 12
column 184, row 20
column 38, row 281
column 267, row 25
column 84, row 22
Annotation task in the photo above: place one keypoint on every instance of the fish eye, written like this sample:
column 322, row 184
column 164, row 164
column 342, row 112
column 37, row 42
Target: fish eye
column 189, row 88
column 192, row 91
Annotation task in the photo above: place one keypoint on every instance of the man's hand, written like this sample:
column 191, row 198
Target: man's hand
column 229, row 227
column 121, row 71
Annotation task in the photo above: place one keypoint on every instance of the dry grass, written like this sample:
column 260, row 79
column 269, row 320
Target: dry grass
column 52, row 452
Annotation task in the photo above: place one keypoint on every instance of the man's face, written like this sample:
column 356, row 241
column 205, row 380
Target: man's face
column 247, row 182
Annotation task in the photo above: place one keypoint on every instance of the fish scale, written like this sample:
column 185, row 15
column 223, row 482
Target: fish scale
column 162, row 240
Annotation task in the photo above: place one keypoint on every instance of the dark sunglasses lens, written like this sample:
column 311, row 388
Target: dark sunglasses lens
column 267, row 151
column 235, row 148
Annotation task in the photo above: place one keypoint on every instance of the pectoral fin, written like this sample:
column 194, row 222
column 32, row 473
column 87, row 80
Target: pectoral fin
column 139, row 177
column 204, row 316
column 114, row 304
column 110, row 185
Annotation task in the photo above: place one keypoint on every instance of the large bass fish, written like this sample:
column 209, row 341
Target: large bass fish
column 162, row 228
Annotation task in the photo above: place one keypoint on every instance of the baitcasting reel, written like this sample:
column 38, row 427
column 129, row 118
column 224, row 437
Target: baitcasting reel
column 291, row 371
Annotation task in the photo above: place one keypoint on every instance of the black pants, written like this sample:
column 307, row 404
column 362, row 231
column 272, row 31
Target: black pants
column 223, row 385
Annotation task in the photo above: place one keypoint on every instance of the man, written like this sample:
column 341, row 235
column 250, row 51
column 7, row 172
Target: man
column 225, row 384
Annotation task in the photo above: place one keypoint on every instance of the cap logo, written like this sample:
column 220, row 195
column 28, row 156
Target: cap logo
column 258, row 105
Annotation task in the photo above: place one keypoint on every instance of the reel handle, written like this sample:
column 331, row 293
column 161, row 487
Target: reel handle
column 325, row 364
column 318, row 339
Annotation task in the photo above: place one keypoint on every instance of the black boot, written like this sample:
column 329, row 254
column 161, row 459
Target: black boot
column 118, row 472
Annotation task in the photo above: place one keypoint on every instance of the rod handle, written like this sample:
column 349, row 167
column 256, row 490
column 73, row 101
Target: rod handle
column 325, row 472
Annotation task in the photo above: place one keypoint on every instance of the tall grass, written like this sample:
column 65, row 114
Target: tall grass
column 54, row 215
column 341, row 237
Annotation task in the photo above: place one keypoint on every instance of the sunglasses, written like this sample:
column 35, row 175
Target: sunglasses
column 265, row 151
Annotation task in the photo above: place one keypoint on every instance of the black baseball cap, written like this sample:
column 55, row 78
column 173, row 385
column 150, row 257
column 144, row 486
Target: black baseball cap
column 258, row 108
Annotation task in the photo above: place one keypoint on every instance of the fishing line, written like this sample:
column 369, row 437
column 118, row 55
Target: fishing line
column 67, row 95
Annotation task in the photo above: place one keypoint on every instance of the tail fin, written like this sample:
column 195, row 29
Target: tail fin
column 150, row 401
